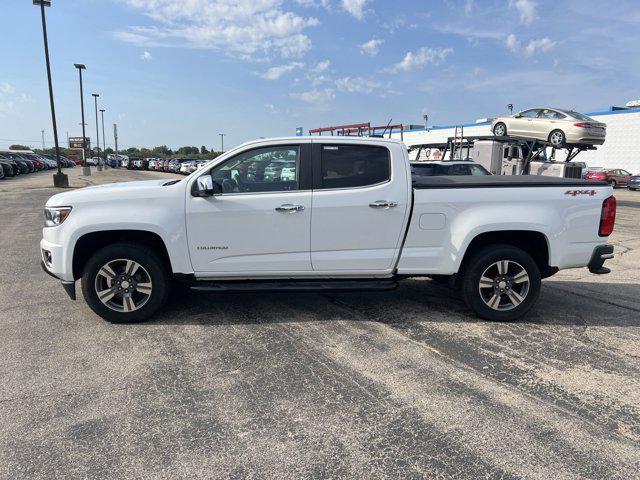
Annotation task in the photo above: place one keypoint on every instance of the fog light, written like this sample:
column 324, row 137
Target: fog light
column 46, row 256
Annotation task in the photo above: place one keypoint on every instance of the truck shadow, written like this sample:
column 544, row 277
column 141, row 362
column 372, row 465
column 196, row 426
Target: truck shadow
column 561, row 303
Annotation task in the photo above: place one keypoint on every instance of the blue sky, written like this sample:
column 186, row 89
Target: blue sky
column 178, row 72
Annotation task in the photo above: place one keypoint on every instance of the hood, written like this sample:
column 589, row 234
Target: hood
column 133, row 190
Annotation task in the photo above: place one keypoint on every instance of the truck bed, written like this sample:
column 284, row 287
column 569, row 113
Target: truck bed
column 500, row 181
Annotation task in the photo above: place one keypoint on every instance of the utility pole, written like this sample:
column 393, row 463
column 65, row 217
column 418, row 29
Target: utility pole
column 104, row 139
column 42, row 139
column 115, row 138
column 222, row 135
column 86, row 169
column 59, row 179
column 95, row 98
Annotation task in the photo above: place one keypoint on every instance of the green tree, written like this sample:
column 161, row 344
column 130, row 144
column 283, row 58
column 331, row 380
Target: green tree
column 186, row 150
column 203, row 150
column 162, row 151
column 19, row 147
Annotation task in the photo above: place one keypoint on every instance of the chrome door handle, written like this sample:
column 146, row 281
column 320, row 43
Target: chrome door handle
column 383, row 204
column 289, row 208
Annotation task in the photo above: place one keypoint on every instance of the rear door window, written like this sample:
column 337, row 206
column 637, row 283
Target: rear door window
column 348, row 166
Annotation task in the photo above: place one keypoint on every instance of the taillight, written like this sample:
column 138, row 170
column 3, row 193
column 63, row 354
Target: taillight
column 582, row 125
column 607, row 217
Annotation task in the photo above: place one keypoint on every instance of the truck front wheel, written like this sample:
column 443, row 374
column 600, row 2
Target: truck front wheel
column 125, row 282
column 501, row 283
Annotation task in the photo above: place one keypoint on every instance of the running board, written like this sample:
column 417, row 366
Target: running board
column 299, row 286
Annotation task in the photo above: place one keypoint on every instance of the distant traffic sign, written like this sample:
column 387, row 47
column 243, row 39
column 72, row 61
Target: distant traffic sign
column 299, row 131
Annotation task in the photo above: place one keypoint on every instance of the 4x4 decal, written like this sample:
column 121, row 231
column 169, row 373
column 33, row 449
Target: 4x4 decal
column 574, row 193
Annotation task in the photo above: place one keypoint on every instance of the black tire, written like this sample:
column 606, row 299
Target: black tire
column 495, row 128
column 486, row 260
column 152, row 267
column 613, row 184
column 557, row 138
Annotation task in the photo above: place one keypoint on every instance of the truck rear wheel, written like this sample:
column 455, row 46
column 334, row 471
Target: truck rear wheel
column 501, row 283
column 125, row 283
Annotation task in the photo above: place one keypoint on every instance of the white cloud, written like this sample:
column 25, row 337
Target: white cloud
column 6, row 88
column 8, row 100
column 321, row 66
column 372, row 47
column 539, row 45
column 274, row 73
column 355, row 7
column 542, row 45
column 316, row 96
column 469, row 7
column 242, row 27
column 146, row 56
column 422, row 57
column 526, row 9
column 314, row 3
column 512, row 43
column 357, row 85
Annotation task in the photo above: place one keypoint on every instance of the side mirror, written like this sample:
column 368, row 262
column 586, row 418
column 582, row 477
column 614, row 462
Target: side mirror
column 517, row 115
column 205, row 187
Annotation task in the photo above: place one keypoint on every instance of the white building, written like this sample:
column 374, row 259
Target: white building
column 620, row 150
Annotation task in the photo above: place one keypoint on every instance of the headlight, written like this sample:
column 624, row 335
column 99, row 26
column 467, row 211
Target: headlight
column 54, row 216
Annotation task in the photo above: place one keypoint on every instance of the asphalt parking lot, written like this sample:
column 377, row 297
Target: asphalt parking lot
column 401, row 384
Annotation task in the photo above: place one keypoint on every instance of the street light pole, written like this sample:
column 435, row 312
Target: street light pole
column 42, row 139
column 115, row 138
column 86, row 170
column 59, row 179
column 95, row 98
column 104, row 139
column 222, row 135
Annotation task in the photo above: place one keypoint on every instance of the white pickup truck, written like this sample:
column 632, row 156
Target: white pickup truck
column 332, row 213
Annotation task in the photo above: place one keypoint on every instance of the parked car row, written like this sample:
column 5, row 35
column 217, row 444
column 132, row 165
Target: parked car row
column 184, row 166
column 15, row 163
column 616, row 177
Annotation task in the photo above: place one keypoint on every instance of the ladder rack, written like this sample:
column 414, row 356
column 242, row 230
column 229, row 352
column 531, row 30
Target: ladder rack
column 533, row 148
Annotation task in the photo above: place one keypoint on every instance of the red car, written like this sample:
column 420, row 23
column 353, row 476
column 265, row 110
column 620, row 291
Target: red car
column 616, row 177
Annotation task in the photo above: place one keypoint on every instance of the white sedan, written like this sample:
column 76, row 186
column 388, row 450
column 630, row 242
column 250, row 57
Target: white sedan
column 556, row 126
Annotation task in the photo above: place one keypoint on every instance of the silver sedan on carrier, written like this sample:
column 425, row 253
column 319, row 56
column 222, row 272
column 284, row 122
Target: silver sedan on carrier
column 554, row 125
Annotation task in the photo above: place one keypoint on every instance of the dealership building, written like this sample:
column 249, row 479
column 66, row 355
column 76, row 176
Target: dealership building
column 620, row 150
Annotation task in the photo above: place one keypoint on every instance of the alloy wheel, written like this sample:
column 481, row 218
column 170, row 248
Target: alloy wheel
column 504, row 285
column 123, row 285
column 556, row 139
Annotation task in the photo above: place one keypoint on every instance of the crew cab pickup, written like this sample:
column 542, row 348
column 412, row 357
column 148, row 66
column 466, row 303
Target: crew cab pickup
column 346, row 214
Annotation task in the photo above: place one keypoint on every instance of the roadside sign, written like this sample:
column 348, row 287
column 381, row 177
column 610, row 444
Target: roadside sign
column 76, row 142
column 299, row 131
